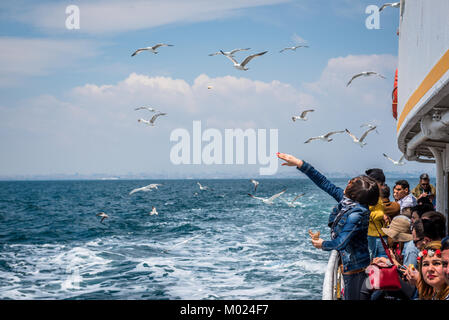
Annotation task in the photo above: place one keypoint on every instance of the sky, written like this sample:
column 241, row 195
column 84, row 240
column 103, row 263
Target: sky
column 68, row 95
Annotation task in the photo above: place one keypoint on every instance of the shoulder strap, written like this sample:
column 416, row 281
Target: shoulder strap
column 383, row 242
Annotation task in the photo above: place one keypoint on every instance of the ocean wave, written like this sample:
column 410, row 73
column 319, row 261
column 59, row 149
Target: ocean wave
column 204, row 247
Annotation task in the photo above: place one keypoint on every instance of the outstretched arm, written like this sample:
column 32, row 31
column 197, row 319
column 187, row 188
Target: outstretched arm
column 320, row 180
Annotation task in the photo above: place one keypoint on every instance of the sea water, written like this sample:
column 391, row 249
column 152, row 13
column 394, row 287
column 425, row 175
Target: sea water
column 213, row 244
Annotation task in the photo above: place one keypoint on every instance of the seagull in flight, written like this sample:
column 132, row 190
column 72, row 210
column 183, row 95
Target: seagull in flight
column 364, row 74
column 270, row 199
column 400, row 162
column 151, row 49
column 293, row 48
column 393, row 5
column 360, row 141
column 292, row 203
column 153, row 211
column 103, row 216
column 324, row 137
column 256, row 183
column 202, row 187
column 369, row 125
column 146, row 188
column 151, row 122
column 182, row 242
column 147, row 108
column 302, row 116
column 242, row 65
column 228, row 53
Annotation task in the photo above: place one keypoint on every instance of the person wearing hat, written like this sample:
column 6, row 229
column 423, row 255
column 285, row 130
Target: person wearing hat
column 376, row 221
column 424, row 188
column 400, row 240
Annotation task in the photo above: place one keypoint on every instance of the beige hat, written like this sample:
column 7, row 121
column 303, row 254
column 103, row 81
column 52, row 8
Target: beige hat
column 399, row 229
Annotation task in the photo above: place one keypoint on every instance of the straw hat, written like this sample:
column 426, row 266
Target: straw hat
column 399, row 229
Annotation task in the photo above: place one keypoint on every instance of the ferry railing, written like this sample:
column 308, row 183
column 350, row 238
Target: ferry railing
column 333, row 285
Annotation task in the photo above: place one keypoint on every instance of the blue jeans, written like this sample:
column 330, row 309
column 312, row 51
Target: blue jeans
column 353, row 285
column 375, row 247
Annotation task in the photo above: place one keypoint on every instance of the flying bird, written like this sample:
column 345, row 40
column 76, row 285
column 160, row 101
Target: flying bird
column 294, row 48
column 364, row 74
column 103, row 216
column 242, row 65
column 151, row 122
column 209, row 87
column 146, row 188
column 298, row 196
column 256, row 183
column 182, row 242
column 147, row 108
column 153, row 211
column 399, row 162
column 393, row 5
column 151, row 49
column 202, row 187
column 360, row 141
column 302, row 116
column 228, row 53
column 324, row 137
column 270, row 199
column 369, row 125
column 292, row 203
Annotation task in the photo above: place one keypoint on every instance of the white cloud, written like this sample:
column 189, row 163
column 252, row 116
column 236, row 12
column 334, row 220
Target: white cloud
column 94, row 128
column 340, row 70
column 348, row 9
column 240, row 99
column 25, row 57
column 103, row 16
column 367, row 99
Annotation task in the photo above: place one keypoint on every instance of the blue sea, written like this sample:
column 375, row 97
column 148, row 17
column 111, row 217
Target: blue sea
column 211, row 244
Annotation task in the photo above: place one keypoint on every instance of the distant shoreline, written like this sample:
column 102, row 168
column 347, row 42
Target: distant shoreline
column 290, row 177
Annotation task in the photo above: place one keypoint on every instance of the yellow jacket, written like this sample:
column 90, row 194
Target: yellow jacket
column 377, row 215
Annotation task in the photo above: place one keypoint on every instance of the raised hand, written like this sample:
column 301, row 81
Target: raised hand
column 290, row 160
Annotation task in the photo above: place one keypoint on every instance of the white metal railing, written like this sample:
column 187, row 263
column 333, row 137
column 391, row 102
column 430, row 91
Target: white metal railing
column 333, row 284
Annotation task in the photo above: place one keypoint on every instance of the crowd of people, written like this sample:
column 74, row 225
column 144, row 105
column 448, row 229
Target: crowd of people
column 367, row 228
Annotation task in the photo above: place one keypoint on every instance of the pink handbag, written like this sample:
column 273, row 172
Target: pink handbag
column 383, row 277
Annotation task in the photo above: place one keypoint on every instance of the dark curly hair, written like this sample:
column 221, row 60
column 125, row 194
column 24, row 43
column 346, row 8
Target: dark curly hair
column 434, row 224
column 363, row 190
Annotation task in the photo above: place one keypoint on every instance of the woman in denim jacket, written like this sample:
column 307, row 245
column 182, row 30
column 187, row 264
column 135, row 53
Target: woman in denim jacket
column 348, row 221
